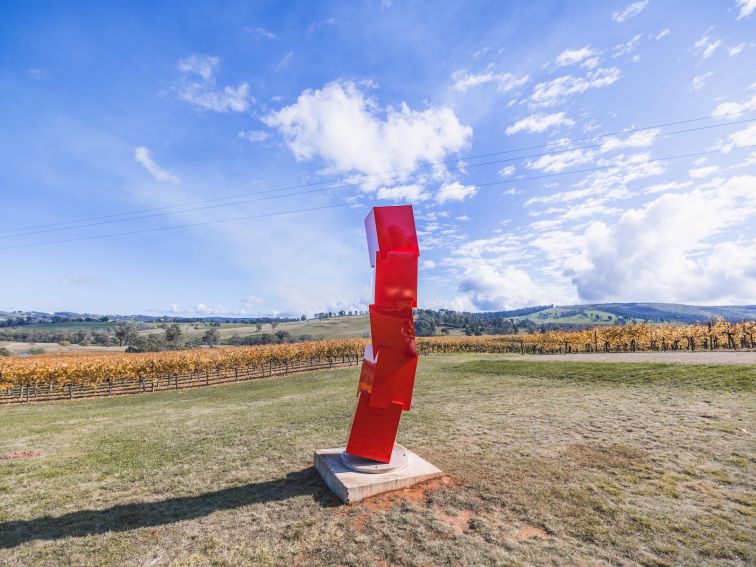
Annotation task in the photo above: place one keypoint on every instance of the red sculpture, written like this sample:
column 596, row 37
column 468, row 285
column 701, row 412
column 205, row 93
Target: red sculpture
column 388, row 369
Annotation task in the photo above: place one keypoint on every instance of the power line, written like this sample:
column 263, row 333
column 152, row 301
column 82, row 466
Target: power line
column 365, row 177
column 280, row 213
column 160, row 228
column 348, row 185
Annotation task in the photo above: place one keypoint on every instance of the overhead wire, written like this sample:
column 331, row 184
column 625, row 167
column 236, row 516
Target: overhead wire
column 347, row 185
column 356, row 179
column 311, row 209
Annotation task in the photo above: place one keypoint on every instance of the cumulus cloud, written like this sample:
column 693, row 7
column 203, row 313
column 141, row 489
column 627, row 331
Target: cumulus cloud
column 573, row 56
column 455, row 192
column 144, row 158
column 202, row 65
column 412, row 193
column 699, row 81
column 556, row 90
column 670, row 249
column 746, row 8
column 464, row 80
column 492, row 289
column 537, row 123
column 197, row 86
column 701, row 172
column 347, row 129
column 728, row 108
column 202, row 309
column 741, row 138
column 630, row 10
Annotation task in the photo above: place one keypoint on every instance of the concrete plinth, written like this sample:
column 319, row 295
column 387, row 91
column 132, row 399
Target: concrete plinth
column 352, row 486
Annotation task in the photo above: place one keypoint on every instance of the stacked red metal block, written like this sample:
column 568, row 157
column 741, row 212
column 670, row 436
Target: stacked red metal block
column 388, row 369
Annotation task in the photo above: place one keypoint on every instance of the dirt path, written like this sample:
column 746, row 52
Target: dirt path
column 677, row 357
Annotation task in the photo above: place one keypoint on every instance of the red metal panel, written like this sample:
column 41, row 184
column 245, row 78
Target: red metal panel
column 388, row 370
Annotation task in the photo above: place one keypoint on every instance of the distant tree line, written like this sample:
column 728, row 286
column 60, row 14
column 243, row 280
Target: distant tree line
column 429, row 322
column 342, row 313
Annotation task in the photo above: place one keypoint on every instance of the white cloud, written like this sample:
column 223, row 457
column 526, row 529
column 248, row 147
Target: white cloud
column 591, row 63
column 662, row 34
column 573, row 56
column 555, row 163
column 143, row 157
column 455, row 192
column 670, row 250
column 202, row 65
column 412, row 193
column 262, row 33
column 741, row 138
column 665, row 187
column 464, row 80
column 552, row 92
column 706, row 46
column 627, row 47
column 512, row 191
column 202, row 309
column 230, row 99
column 642, row 139
column 539, row 122
column 746, row 8
column 252, row 301
column 736, row 49
column 492, row 289
column 203, row 93
column 699, row 81
column 630, row 10
column 254, row 135
column 428, row 264
column 728, row 108
column 701, row 172
column 507, row 171
column 351, row 133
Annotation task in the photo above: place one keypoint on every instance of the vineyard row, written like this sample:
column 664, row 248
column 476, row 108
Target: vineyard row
column 93, row 370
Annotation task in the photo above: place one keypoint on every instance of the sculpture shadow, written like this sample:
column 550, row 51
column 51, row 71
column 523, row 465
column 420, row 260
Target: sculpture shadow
column 124, row 517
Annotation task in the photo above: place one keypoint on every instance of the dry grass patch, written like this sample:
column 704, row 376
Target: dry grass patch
column 548, row 464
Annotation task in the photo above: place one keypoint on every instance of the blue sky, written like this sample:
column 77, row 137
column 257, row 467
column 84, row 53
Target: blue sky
column 165, row 111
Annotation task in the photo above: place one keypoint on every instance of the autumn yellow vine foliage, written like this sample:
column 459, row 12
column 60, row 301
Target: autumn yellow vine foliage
column 92, row 369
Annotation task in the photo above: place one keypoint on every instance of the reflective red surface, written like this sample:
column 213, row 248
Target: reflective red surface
column 388, row 369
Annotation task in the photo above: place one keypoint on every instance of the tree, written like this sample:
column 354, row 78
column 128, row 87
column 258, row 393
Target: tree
column 258, row 326
column 303, row 318
column 211, row 337
column 273, row 324
column 173, row 334
column 126, row 334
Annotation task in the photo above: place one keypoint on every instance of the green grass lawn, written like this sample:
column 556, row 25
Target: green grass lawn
column 549, row 463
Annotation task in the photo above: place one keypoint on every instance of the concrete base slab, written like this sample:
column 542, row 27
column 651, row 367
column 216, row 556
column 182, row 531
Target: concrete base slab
column 352, row 486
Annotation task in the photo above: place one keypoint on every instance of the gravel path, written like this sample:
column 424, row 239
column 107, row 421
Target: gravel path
column 676, row 357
